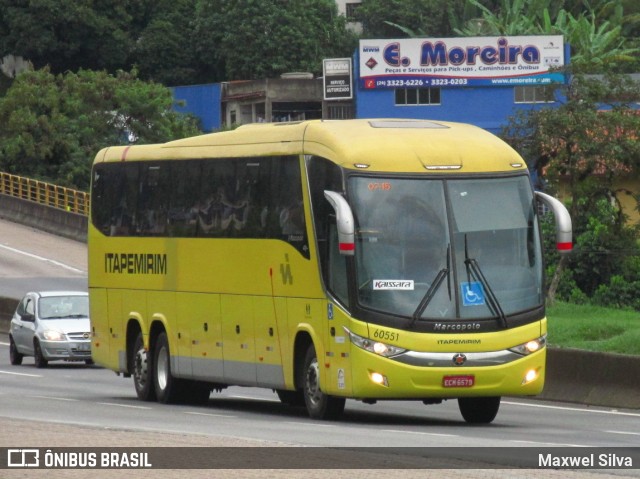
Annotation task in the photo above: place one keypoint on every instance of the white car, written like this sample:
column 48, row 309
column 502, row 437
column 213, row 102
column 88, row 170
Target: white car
column 51, row 325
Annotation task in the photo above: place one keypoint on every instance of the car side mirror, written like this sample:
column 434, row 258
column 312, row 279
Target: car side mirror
column 28, row 317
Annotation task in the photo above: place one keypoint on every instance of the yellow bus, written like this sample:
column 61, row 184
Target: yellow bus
column 376, row 259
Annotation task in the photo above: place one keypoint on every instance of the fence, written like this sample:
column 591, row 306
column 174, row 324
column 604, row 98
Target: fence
column 48, row 194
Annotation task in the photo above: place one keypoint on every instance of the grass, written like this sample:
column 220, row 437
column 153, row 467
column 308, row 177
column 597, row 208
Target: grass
column 594, row 328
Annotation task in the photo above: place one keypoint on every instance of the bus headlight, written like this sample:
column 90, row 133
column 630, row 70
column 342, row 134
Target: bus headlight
column 530, row 346
column 376, row 347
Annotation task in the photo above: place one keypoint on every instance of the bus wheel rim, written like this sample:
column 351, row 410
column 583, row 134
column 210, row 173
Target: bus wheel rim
column 313, row 383
column 162, row 368
column 140, row 369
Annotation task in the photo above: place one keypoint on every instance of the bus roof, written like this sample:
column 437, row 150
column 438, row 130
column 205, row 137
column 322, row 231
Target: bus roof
column 390, row 145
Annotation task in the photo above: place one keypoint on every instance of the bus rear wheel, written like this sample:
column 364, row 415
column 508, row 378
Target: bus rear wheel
column 319, row 405
column 167, row 387
column 480, row 410
column 142, row 371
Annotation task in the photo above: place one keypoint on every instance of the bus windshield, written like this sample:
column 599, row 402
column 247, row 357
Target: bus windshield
column 446, row 249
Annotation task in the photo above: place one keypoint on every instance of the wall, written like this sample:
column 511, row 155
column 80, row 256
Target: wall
column 203, row 101
column 46, row 218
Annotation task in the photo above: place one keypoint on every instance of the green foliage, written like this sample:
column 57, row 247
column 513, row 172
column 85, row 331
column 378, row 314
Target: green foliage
column 582, row 152
column 68, row 35
column 594, row 328
column 619, row 293
column 55, row 124
column 412, row 18
column 265, row 38
column 596, row 33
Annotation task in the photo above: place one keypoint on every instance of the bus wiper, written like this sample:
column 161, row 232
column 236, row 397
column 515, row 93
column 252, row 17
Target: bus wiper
column 473, row 270
column 431, row 292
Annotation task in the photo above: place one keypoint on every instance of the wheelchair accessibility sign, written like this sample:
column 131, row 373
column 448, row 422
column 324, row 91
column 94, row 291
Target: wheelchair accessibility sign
column 472, row 294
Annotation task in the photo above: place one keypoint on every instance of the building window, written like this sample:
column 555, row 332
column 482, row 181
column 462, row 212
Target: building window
column 417, row 96
column 534, row 94
column 352, row 11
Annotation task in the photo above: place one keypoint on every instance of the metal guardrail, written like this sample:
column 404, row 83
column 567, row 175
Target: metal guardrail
column 60, row 197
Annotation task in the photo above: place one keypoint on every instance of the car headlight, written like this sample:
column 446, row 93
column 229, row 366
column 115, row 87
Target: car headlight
column 376, row 347
column 52, row 335
column 530, row 346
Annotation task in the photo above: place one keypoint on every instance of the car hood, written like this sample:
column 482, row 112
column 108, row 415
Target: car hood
column 77, row 325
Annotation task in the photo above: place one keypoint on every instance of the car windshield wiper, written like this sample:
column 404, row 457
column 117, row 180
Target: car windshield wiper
column 473, row 270
column 431, row 292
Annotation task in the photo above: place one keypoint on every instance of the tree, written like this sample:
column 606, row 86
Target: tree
column 583, row 147
column 53, row 125
column 399, row 18
column 265, row 38
column 165, row 50
column 595, row 34
column 69, row 35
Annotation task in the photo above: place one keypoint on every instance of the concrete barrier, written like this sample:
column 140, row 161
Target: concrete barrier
column 597, row 379
column 45, row 218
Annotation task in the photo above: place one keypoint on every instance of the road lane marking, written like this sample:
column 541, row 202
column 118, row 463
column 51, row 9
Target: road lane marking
column 209, row 414
column 421, row 433
column 548, row 444
column 624, row 432
column 308, row 424
column 21, row 374
column 123, row 405
column 53, row 398
column 42, row 258
column 575, row 409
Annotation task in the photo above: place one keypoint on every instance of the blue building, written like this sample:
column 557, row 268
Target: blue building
column 477, row 80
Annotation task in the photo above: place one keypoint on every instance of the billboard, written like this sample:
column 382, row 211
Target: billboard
column 337, row 78
column 460, row 62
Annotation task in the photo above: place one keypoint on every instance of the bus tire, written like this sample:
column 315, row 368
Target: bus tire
column 142, row 371
column 480, row 410
column 168, row 389
column 319, row 405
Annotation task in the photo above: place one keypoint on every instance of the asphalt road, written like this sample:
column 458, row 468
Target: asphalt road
column 72, row 405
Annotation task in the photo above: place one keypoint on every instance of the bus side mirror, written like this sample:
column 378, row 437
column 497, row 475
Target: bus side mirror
column 344, row 222
column 564, row 240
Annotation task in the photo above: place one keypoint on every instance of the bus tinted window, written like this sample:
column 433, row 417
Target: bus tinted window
column 237, row 198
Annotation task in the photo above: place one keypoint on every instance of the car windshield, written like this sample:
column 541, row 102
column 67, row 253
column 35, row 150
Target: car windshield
column 63, row 307
column 446, row 249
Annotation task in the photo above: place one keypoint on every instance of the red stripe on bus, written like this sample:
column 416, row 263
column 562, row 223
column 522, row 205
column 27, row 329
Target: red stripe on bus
column 347, row 246
column 124, row 153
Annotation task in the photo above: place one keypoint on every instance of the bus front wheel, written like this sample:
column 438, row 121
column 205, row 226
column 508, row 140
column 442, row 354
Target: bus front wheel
column 142, row 371
column 480, row 410
column 319, row 405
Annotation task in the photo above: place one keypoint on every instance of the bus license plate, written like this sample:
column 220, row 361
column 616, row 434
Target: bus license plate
column 458, row 381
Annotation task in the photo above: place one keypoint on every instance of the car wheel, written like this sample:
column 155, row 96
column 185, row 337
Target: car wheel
column 142, row 371
column 41, row 362
column 480, row 410
column 319, row 405
column 14, row 356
